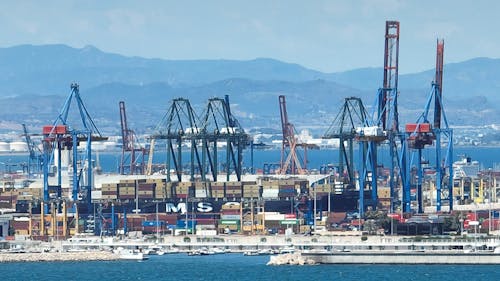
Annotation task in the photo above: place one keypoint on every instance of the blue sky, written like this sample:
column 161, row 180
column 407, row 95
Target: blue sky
column 324, row 35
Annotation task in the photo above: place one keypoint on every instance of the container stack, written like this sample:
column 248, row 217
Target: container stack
column 321, row 190
column 21, row 226
column 126, row 189
column 96, row 195
column 109, row 191
column 24, row 196
column 201, row 189
column 287, row 189
column 170, row 189
column 302, row 186
column 384, row 196
column 230, row 211
column 217, row 189
column 251, row 190
column 145, row 190
column 159, row 189
column 230, row 218
column 204, row 220
column 184, row 190
column 8, row 201
column 134, row 222
column 270, row 189
column 233, row 189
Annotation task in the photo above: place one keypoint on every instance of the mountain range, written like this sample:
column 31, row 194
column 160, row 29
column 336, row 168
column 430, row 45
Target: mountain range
column 35, row 81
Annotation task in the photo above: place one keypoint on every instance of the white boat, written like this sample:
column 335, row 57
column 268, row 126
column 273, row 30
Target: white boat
column 267, row 252
column 196, row 252
column 217, row 251
column 171, row 251
column 129, row 254
column 204, row 251
column 251, row 253
column 154, row 250
column 262, row 252
column 287, row 250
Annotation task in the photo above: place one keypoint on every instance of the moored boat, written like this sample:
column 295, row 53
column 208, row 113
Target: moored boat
column 129, row 254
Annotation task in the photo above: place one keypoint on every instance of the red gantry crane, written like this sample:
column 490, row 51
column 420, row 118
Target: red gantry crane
column 290, row 162
column 130, row 147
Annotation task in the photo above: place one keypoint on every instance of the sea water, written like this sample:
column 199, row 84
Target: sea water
column 235, row 267
column 488, row 157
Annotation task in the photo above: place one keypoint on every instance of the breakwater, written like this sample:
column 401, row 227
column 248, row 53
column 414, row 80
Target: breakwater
column 58, row 257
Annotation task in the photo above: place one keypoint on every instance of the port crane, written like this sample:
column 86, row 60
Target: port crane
column 181, row 126
column 61, row 140
column 220, row 125
column 385, row 129
column 351, row 116
column 132, row 151
column 290, row 160
column 65, row 135
column 35, row 154
column 424, row 133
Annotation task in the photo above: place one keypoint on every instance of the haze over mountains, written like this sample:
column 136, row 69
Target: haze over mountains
column 35, row 81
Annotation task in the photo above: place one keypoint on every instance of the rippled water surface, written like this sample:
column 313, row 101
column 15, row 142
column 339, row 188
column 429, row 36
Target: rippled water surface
column 235, row 267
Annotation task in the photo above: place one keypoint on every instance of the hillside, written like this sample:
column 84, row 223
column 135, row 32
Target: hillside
column 34, row 80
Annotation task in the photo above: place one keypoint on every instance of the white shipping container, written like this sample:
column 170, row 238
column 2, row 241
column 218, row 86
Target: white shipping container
column 270, row 192
column 230, row 217
column 228, row 130
column 96, row 194
column 373, row 131
column 275, row 217
column 200, row 193
column 206, row 232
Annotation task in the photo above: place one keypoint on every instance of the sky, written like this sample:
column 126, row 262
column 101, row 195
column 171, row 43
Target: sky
column 328, row 36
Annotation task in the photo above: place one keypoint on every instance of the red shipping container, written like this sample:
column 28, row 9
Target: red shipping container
column 58, row 129
column 422, row 128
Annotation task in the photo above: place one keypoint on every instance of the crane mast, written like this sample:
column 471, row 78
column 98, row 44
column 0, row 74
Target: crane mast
column 290, row 162
column 438, row 83
column 129, row 148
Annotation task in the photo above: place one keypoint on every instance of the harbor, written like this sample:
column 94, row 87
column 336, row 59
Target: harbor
column 326, row 249
column 220, row 169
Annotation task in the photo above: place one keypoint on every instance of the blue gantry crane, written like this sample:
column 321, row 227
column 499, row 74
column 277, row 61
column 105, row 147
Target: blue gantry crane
column 423, row 133
column 65, row 134
column 384, row 128
column 35, row 154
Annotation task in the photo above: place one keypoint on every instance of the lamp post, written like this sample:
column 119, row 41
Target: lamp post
column 157, row 230
column 490, row 185
column 314, row 213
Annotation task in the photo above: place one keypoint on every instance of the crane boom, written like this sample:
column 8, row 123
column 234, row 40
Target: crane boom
column 289, row 161
column 149, row 168
column 29, row 143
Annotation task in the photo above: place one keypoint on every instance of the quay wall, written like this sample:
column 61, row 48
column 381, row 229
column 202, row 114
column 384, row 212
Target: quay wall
column 58, row 257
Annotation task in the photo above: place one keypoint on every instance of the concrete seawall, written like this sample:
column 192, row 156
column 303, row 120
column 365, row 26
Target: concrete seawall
column 381, row 257
column 51, row 257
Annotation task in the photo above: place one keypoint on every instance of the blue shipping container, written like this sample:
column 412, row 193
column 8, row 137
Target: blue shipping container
column 152, row 223
column 182, row 224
